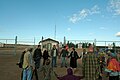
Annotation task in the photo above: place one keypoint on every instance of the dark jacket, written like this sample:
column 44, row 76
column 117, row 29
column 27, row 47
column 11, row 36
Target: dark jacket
column 45, row 54
column 37, row 54
column 64, row 53
column 75, row 55
column 52, row 52
column 73, row 59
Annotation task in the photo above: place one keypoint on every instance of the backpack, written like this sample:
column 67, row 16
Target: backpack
column 21, row 60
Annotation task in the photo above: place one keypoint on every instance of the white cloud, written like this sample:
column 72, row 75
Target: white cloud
column 90, row 34
column 102, row 28
column 83, row 14
column 95, row 10
column 68, row 29
column 74, row 18
column 118, row 34
column 114, row 6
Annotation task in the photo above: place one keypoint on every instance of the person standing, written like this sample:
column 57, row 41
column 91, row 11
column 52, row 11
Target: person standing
column 83, row 53
column 101, row 60
column 37, row 58
column 113, row 68
column 73, row 58
column 108, row 57
column 28, row 65
column 21, row 61
column 90, row 65
column 45, row 56
column 54, row 54
column 64, row 55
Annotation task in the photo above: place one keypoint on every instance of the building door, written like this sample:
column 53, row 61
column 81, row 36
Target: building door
column 49, row 46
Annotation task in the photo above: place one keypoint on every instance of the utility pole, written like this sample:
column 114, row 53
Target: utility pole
column 55, row 26
column 55, row 32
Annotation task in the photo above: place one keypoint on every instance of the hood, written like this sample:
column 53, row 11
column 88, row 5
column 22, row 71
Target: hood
column 69, row 71
column 113, row 55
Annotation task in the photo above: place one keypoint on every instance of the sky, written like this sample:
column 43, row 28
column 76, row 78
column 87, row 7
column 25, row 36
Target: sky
column 74, row 19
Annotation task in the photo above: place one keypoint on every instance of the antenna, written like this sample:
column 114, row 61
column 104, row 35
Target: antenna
column 55, row 32
column 55, row 25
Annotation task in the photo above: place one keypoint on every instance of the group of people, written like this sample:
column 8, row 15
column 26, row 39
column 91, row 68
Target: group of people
column 97, row 64
column 93, row 65
column 30, row 62
column 113, row 66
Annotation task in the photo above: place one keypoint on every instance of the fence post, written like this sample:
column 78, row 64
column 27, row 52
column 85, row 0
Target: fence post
column 34, row 42
column 15, row 45
column 105, row 47
column 95, row 44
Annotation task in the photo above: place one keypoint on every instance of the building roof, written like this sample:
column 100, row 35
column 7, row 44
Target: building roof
column 49, row 39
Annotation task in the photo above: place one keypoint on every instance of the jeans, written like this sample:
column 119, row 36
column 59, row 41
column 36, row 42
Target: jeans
column 63, row 62
column 54, row 61
column 27, row 74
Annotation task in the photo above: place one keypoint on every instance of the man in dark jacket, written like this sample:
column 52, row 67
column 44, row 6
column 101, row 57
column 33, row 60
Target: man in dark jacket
column 37, row 58
column 45, row 56
column 64, row 55
column 54, row 54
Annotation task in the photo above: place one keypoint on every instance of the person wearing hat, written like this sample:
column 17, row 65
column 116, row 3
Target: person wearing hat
column 90, row 68
column 113, row 67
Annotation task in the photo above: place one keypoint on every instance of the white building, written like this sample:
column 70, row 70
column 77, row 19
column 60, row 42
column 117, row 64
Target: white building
column 1, row 44
column 48, row 43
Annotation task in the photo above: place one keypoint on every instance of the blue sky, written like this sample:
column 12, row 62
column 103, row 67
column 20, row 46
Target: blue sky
column 75, row 19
